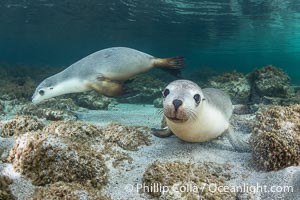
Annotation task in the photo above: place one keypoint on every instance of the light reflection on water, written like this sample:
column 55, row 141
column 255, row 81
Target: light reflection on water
column 241, row 34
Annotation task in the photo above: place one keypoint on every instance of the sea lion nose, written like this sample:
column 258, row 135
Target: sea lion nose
column 177, row 103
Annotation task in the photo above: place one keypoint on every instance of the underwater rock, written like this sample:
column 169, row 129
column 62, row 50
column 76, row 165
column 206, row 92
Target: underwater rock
column 74, row 131
column 235, row 84
column 243, row 123
column 5, row 192
column 91, row 136
column 1, row 108
column 195, row 180
column 17, row 88
column 6, row 145
column 143, row 89
column 52, row 110
column 11, row 107
column 61, row 190
column 269, row 81
column 46, row 159
column 276, row 138
column 92, row 100
column 292, row 98
column 127, row 137
column 19, row 125
column 158, row 103
column 59, row 103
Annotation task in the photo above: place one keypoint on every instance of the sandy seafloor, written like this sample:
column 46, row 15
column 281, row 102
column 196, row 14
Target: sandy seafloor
column 124, row 180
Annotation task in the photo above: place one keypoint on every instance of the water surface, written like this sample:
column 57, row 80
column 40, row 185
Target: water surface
column 223, row 34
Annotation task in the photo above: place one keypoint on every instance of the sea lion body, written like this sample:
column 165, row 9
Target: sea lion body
column 197, row 115
column 211, row 114
column 102, row 71
column 210, row 123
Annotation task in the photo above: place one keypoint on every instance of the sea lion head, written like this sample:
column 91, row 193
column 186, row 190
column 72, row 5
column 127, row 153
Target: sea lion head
column 45, row 90
column 181, row 99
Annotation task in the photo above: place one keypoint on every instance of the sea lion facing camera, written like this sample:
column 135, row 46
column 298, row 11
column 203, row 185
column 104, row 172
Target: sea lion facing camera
column 197, row 115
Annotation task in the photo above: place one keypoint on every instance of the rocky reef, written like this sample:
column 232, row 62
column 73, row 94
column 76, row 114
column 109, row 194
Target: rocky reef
column 267, row 85
column 1, row 109
column 128, row 138
column 64, row 158
column 235, row 84
column 20, row 125
column 92, row 100
column 144, row 89
column 270, row 81
column 68, row 158
column 61, row 190
column 53, row 110
column 5, row 192
column 276, row 138
column 18, row 88
column 45, row 159
column 193, row 181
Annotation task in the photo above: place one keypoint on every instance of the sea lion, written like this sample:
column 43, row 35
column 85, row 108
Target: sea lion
column 102, row 71
column 197, row 115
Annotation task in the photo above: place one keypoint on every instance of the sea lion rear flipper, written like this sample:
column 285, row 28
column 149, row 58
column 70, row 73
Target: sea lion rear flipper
column 237, row 143
column 161, row 133
column 169, row 63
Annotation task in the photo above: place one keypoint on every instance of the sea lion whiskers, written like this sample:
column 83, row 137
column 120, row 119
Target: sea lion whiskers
column 160, row 112
column 192, row 113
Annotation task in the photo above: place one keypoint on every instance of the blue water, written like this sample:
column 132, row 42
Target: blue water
column 222, row 34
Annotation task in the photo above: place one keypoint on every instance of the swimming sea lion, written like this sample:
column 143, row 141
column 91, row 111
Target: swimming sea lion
column 197, row 115
column 102, row 71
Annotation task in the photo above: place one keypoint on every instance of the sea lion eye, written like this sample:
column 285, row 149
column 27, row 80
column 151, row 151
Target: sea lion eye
column 166, row 92
column 41, row 92
column 197, row 98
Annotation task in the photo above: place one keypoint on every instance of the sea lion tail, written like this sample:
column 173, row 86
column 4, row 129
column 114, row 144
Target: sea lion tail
column 170, row 63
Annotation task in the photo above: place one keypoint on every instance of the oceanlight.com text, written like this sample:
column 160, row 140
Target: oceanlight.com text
column 213, row 188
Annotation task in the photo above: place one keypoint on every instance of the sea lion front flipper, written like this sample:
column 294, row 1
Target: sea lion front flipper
column 237, row 143
column 161, row 133
column 108, row 87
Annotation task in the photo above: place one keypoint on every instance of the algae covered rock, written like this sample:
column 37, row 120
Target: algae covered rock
column 186, row 180
column 144, row 89
column 276, row 138
column 46, row 159
column 5, row 192
column 127, row 137
column 158, row 102
column 74, row 131
column 17, row 88
column 20, row 125
column 61, row 190
column 92, row 100
column 1, row 108
column 269, row 81
column 6, row 145
column 53, row 110
column 235, row 84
